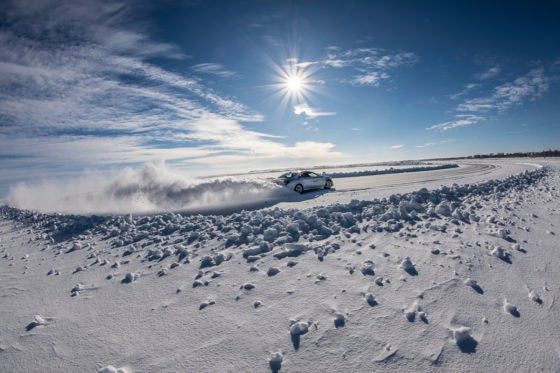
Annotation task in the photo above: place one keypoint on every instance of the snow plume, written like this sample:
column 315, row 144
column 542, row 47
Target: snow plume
column 153, row 188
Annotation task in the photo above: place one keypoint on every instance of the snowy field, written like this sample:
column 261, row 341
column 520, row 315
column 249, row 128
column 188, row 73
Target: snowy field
column 453, row 269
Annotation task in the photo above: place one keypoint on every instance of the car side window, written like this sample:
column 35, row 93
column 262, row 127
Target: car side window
column 312, row 174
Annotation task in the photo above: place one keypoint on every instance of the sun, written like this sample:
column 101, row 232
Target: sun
column 293, row 81
column 294, row 84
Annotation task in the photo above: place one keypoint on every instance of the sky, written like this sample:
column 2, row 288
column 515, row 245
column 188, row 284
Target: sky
column 211, row 87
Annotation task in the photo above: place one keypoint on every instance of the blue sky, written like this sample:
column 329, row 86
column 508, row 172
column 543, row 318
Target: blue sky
column 220, row 86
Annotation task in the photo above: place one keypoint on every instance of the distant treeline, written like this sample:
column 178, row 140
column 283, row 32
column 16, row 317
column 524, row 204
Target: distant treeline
column 544, row 153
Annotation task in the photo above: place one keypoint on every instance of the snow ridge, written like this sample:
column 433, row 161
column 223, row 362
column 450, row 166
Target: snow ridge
column 273, row 227
column 393, row 170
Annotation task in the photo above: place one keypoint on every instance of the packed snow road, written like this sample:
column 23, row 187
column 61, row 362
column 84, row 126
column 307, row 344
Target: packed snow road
column 394, row 180
column 379, row 186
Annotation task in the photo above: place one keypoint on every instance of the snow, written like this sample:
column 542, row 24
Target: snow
column 443, row 269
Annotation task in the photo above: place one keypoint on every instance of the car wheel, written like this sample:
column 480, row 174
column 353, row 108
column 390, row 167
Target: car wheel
column 299, row 188
column 328, row 184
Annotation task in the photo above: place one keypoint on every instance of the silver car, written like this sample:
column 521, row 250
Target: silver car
column 300, row 181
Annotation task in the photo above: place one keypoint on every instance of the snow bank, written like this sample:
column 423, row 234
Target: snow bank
column 392, row 170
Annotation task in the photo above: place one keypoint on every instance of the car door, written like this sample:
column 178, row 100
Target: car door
column 315, row 181
column 305, row 180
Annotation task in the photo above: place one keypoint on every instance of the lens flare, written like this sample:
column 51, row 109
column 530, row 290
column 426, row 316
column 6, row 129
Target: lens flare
column 294, row 84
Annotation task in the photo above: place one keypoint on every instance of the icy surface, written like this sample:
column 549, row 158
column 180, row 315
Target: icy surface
column 419, row 276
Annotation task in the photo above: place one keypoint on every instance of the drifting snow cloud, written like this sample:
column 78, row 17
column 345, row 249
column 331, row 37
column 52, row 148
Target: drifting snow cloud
column 396, row 146
column 153, row 188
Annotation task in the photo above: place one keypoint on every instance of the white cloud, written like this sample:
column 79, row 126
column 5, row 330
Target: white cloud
column 371, row 64
column 370, row 79
column 396, row 146
column 460, row 121
column 490, row 73
column 525, row 88
column 213, row 69
column 295, row 63
column 468, row 88
column 304, row 109
column 428, row 144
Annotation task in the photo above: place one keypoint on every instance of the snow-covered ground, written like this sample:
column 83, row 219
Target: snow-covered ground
column 452, row 269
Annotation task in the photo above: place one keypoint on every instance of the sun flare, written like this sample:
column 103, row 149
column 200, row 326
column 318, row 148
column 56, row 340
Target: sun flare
column 294, row 83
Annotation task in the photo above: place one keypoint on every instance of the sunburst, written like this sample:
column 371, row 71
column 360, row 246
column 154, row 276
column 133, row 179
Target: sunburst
column 293, row 82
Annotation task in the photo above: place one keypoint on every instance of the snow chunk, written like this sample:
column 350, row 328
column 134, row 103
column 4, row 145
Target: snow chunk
column 38, row 320
column 535, row 297
column 461, row 334
column 464, row 340
column 130, row 277
column 474, row 285
column 408, row 266
column 275, row 361
column 500, row 253
column 339, row 319
column 299, row 328
column 272, row 271
column 370, row 299
column 367, row 268
column 511, row 309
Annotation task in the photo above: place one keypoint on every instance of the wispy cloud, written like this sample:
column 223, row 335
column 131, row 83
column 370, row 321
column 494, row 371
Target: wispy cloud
column 370, row 65
column 490, row 73
column 460, row 121
column 372, row 78
column 428, row 144
column 304, row 109
column 213, row 69
column 396, row 146
column 468, row 88
column 502, row 98
column 525, row 88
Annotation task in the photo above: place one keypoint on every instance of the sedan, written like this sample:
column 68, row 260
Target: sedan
column 300, row 181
